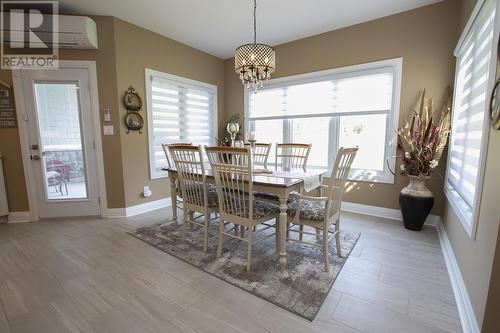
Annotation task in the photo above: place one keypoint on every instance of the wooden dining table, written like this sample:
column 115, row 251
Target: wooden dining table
column 279, row 184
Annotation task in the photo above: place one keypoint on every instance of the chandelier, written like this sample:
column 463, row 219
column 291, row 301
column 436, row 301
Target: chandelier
column 254, row 62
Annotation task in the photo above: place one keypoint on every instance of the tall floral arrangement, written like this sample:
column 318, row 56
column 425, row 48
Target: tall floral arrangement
column 422, row 139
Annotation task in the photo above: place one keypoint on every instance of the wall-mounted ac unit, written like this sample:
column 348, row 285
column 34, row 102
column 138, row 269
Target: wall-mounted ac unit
column 4, row 208
column 75, row 32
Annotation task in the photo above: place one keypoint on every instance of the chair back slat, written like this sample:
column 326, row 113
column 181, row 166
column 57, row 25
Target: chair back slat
column 188, row 161
column 170, row 163
column 338, row 179
column 232, row 170
column 260, row 154
column 291, row 156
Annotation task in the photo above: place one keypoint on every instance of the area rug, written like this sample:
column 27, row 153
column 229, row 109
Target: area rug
column 302, row 289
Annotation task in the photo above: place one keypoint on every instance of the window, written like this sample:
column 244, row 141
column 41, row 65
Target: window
column 475, row 69
column 344, row 107
column 179, row 110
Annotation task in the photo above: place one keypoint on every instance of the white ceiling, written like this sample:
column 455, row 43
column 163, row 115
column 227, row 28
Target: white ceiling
column 219, row 26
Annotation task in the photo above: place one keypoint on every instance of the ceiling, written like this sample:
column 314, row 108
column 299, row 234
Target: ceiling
column 219, row 26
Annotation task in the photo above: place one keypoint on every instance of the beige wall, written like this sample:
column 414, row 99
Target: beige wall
column 137, row 49
column 106, row 74
column 491, row 321
column 10, row 148
column 125, row 50
column 424, row 37
column 475, row 257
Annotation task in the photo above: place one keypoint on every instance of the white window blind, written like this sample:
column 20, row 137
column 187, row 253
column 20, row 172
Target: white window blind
column 179, row 110
column 353, row 106
column 469, row 122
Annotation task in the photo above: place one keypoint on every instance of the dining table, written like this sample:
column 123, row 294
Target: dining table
column 279, row 183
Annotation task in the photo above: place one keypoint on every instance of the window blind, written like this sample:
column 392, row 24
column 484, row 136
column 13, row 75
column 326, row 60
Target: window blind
column 180, row 113
column 468, row 121
column 326, row 96
column 352, row 106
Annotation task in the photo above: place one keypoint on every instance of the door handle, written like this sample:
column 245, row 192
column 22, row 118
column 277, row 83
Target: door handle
column 35, row 157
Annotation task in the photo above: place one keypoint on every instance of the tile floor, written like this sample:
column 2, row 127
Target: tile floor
column 88, row 275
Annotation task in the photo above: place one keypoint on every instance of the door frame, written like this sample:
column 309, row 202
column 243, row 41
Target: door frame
column 19, row 95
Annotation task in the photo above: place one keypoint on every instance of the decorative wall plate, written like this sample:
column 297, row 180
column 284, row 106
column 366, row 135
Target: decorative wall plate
column 132, row 100
column 134, row 122
column 495, row 106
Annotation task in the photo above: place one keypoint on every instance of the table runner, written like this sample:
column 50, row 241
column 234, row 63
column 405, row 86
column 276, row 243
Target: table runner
column 311, row 180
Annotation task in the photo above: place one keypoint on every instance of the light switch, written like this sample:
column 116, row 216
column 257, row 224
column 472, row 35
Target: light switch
column 107, row 115
column 108, row 130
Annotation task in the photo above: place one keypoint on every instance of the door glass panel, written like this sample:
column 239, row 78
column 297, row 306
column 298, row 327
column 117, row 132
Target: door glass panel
column 60, row 146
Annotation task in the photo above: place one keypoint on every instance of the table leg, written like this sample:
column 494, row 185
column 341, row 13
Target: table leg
column 282, row 234
column 173, row 197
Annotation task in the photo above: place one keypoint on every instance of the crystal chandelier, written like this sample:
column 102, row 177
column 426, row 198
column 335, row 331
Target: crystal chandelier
column 254, row 62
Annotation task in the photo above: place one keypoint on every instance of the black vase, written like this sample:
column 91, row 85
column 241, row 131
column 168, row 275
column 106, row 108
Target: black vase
column 416, row 202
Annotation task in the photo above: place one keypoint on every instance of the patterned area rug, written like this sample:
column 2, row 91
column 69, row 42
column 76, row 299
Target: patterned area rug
column 302, row 289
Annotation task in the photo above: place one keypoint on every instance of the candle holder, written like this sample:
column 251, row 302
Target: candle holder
column 233, row 129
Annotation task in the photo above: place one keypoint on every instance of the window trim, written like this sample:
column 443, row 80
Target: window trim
column 396, row 64
column 469, row 217
column 148, row 73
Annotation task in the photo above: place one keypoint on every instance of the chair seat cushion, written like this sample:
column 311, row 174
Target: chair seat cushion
column 309, row 210
column 212, row 198
column 261, row 210
column 211, row 195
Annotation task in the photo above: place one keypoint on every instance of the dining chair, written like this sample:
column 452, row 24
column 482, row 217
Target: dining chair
column 260, row 153
column 291, row 156
column 170, row 164
column 232, row 170
column 196, row 197
column 168, row 157
column 324, row 211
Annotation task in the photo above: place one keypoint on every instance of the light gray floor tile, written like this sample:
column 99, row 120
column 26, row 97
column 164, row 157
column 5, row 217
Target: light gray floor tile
column 88, row 274
column 368, row 317
column 58, row 316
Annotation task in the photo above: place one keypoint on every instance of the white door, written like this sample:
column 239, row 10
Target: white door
column 59, row 117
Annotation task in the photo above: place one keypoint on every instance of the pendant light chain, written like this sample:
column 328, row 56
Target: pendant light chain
column 254, row 21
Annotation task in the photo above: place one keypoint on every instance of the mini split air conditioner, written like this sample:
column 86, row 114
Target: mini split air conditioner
column 75, row 32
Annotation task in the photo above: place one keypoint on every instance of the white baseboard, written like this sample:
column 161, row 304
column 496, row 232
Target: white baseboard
column 18, row 217
column 465, row 310
column 138, row 209
column 388, row 213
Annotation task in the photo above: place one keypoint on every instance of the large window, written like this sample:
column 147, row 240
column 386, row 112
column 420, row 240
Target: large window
column 475, row 69
column 179, row 110
column 344, row 107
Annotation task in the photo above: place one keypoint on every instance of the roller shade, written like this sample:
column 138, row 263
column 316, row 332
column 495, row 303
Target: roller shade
column 180, row 113
column 469, row 110
column 328, row 96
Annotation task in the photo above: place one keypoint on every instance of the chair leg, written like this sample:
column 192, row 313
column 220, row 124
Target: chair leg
column 191, row 218
column 337, row 240
column 236, row 230
column 249, row 252
column 184, row 225
column 221, row 238
column 205, row 235
column 288, row 230
column 317, row 232
column 325, row 250
column 301, row 230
